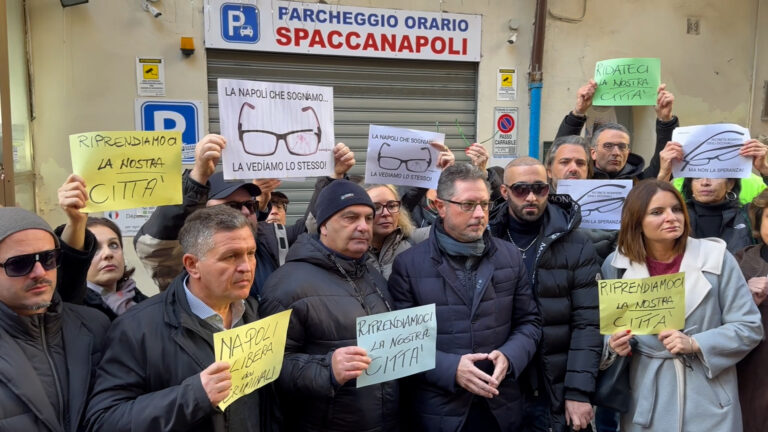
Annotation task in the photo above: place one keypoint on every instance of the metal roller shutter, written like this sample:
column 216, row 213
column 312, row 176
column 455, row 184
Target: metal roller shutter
column 404, row 93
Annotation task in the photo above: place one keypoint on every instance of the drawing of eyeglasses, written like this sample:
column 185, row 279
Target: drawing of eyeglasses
column 417, row 165
column 697, row 157
column 259, row 142
column 600, row 205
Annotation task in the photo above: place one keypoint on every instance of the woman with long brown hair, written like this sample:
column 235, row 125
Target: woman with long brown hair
column 682, row 379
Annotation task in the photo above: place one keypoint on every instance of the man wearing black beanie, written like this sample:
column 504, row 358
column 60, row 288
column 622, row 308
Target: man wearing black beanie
column 328, row 284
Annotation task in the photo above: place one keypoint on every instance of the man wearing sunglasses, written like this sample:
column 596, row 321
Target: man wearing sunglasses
column 488, row 323
column 561, row 264
column 610, row 146
column 48, row 348
column 157, row 242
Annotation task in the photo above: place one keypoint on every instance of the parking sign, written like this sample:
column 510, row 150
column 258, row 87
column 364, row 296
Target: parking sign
column 182, row 116
column 239, row 23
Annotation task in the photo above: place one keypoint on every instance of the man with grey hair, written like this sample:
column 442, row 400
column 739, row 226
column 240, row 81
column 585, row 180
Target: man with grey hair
column 610, row 146
column 48, row 348
column 568, row 158
column 562, row 266
column 488, row 323
column 158, row 372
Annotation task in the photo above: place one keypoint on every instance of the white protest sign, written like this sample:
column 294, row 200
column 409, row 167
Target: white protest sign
column 712, row 151
column 399, row 343
column 402, row 157
column 601, row 201
column 275, row 130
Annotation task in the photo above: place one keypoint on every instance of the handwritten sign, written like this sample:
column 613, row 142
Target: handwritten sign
column 645, row 306
column 402, row 157
column 601, row 201
column 627, row 81
column 712, row 151
column 254, row 352
column 130, row 169
column 276, row 130
column 399, row 343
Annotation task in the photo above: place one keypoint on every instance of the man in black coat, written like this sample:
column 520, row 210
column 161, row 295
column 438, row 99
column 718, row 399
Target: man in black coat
column 610, row 146
column 562, row 265
column 488, row 323
column 328, row 284
column 158, row 372
column 48, row 348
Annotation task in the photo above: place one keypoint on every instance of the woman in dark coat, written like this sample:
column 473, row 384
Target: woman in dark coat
column 753, row 261
column 110, row 287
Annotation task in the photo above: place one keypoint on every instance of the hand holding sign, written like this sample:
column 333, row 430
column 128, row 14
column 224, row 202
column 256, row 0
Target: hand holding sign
column 584, row 98
column 73, row 197
column 478, row 155
column 217, row 381
column 670, row 155
column 343, row 160
column 446, row 157
column 664, row 101
column 677, row 342
column 349, row 363
column 619, row 342
column 757, row 151
column 207, row 155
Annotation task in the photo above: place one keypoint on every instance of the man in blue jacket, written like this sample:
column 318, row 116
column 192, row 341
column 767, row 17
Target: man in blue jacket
column 488, row 323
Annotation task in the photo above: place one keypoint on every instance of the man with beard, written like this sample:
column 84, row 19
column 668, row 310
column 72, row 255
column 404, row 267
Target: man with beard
column 488, row 324
column 48, row 347
column 568, row 158
column 327, row 283
column 562, row 266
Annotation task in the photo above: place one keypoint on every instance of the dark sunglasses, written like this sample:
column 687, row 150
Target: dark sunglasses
column 251, row 205
column 22, row 265
column 521, row 190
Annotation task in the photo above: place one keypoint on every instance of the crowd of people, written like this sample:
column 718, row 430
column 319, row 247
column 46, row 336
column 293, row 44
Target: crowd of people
column 499, row 253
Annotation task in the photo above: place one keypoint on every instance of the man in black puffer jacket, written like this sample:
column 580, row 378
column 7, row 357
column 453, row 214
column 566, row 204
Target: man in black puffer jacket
column 327, row 284
column 563, row 266
column 488, row 323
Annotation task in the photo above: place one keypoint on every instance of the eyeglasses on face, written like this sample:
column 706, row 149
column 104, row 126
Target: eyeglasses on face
column 392, row 206
column 522, row 189
column 22, row 265
column 417, row 165
column 609, row 146
column 470, row 206
column 251, row 205
column 259, row 142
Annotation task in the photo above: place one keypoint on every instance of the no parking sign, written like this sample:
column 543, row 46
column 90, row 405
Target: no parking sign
column 505, row 138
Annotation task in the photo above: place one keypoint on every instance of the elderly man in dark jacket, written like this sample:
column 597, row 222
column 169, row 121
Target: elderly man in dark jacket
column 158, row 372
column 562, row 265
column 488, row 323
column 48, row 348
column 328, row 284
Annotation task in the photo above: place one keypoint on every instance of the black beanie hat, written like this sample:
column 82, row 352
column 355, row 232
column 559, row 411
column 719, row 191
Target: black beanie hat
column 337, row 196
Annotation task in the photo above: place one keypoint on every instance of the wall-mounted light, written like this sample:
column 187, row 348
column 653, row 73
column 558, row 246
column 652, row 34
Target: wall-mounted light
column 67, row 3
column 187, row 45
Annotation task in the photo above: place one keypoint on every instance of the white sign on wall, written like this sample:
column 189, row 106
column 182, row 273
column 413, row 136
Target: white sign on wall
column 315, row 28
column 505, row 132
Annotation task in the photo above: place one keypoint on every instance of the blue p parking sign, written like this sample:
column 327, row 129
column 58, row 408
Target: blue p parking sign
column 239, row 23
column 182, row 116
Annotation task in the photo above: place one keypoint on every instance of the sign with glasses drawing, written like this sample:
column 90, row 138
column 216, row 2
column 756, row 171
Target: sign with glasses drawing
column 402, row 157
column 712, row 151
column 601, row 201
column 275, row 130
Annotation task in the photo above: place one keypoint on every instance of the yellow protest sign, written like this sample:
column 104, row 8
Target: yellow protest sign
column 645, row 306
column 130, row 169
column 254, row 352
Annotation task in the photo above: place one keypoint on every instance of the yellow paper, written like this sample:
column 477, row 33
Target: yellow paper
column 128, row 169
column 254, row 352
column 645, row 306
